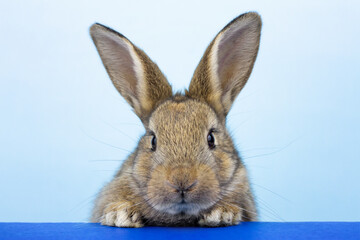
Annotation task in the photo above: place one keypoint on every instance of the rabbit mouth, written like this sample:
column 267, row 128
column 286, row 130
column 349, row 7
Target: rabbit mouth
column 183, row 208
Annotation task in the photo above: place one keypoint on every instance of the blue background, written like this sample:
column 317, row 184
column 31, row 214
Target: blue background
column 64, row 129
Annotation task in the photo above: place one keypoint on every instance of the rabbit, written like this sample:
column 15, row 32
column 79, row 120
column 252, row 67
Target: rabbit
column 185, row 170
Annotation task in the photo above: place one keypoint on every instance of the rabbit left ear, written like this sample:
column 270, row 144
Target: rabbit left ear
column 227, row 63
column 135, row 76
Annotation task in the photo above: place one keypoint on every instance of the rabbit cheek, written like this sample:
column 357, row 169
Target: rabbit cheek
column 226, row 166
column 142, row 169
column 156, row 194
column 208, row 191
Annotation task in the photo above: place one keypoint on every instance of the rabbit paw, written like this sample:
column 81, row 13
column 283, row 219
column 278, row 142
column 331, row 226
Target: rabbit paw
column 121, row 214
column 221, row 217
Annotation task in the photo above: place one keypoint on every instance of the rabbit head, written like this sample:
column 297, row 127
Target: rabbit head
column 186, row 161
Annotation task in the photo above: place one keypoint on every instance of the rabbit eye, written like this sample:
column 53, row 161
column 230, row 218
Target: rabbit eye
column 153, row 143
column 211, row 140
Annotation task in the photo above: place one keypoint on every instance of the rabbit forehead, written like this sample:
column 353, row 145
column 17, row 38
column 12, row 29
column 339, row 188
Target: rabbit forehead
column 183, row 115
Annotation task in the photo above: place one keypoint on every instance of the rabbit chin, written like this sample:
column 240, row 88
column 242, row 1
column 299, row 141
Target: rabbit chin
column 183, row 208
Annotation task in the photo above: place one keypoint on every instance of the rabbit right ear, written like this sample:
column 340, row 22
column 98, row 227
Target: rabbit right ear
column 135, row 76
column 227, row 63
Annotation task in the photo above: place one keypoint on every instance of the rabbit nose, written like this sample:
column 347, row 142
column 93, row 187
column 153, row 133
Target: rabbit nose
column 181, row 189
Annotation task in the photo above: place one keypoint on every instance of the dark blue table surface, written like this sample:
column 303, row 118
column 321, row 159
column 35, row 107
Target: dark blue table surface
column 254, row 230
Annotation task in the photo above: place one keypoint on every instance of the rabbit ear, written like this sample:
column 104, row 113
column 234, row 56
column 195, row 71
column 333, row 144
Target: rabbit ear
column 135, row 76
column 227, row 63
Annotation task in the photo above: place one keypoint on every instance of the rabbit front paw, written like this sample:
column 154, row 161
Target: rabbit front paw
column 221, row 217
column 121, row 214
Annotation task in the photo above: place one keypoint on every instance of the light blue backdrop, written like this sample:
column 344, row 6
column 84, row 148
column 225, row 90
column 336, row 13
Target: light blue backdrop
column 296, row 122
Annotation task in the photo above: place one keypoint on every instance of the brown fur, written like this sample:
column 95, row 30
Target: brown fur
column 212, row 183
